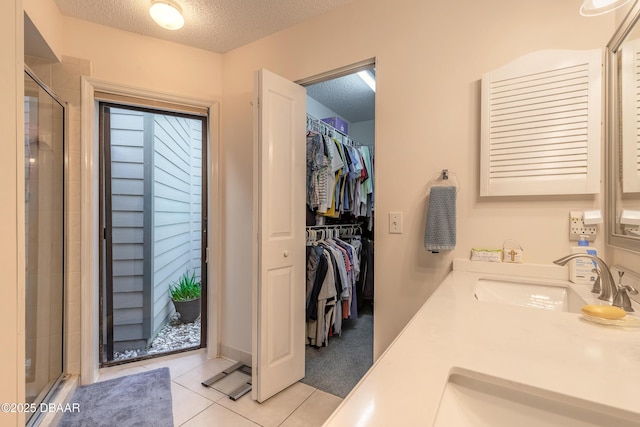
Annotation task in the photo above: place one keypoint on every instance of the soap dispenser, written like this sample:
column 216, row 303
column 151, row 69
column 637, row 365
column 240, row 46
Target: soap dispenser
column 581, row 270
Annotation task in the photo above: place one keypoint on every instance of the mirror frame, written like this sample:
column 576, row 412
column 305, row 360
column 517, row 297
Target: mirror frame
column 612, row 129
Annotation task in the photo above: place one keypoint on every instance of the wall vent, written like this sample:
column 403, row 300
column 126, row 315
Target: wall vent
column 541, row 125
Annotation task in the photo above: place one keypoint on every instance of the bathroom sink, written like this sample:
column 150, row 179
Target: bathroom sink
column 474, row 399
column 533, row 295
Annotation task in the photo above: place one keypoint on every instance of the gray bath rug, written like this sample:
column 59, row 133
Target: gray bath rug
column 142, row 399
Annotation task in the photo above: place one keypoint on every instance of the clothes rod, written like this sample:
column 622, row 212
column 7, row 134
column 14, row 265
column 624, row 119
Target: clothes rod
column 314, row 227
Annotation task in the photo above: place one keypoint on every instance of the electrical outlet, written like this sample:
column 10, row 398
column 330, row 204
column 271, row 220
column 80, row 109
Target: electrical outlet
column 577, row 227
column 631, row 230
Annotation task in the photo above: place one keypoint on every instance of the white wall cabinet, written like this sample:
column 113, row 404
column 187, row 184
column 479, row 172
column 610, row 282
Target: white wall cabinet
column 541, row 125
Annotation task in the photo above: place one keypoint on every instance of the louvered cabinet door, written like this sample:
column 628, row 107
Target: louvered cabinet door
column 541, row 125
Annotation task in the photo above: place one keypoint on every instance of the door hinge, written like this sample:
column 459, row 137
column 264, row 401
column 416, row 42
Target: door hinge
column 206, row 255
column 104, row 234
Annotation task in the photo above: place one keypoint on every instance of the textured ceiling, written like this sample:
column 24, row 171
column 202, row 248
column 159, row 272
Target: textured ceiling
column 348, row 96
column 214, row 25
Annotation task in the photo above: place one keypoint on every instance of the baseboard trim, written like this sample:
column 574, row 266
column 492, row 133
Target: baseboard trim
column 235, row 354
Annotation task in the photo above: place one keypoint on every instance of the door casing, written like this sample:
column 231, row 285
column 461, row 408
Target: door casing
column 89, row 218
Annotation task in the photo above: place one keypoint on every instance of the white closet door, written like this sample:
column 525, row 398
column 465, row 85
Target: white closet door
column 630, row 74
column 541, row 125
column 279, row 224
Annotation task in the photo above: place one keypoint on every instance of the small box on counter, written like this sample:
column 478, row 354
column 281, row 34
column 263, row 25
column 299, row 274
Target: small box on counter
column 337, row 123
column 487, row 255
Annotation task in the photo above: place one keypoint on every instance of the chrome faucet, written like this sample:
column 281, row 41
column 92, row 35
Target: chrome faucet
column 609, row 288
column 622, row 298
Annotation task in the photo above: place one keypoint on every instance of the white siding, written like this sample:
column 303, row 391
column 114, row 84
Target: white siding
column 127, row 189
column 176, row 207
column 196, row 196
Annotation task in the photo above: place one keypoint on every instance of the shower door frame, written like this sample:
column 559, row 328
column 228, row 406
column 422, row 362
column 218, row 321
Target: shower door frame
column 33, row 417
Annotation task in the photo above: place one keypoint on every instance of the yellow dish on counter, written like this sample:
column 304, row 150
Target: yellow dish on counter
column 604, row 311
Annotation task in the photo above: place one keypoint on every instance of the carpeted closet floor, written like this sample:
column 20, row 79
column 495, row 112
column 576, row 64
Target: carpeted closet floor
column 337, row 368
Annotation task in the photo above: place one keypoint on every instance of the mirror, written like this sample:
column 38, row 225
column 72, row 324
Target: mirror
column 623, row 133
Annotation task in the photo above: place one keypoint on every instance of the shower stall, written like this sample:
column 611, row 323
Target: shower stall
column 44, row 126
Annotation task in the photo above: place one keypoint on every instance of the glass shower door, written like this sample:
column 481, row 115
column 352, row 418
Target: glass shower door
column 44, row 237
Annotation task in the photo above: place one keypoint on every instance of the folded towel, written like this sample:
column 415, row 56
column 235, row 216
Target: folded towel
column 440, row 230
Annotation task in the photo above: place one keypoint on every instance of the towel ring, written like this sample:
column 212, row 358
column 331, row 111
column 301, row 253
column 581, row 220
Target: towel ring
column 442, row 179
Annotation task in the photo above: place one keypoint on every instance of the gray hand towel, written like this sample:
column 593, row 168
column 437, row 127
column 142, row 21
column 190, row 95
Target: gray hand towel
column 440, row 230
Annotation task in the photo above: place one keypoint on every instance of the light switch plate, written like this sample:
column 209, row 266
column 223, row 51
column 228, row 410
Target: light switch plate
column 395, row 222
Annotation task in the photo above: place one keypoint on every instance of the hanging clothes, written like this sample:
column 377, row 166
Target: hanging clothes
column 315, row 162
column 339, row 178
column 340, row 175
column 322, row 299
column 365, row 289
column 332, row 275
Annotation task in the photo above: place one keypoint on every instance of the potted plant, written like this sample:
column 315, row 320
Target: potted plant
column 185, row 294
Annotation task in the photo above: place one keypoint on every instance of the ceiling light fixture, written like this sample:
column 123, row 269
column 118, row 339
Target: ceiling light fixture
column 599, row 7
column 368, row 79
column 167, row 14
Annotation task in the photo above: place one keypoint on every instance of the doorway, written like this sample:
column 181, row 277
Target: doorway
column 340, row 138
column 154, row 219
column 280, row 327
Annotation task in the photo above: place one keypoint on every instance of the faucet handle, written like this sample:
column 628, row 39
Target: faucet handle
column 596, row 289
column 622, row 300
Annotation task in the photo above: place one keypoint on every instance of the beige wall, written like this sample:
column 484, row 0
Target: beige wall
column 430, row 58
column 45, row 16
column 143, row 62
column 12, row 209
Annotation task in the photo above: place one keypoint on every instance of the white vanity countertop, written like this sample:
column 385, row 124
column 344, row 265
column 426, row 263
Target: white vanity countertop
column 554, row 351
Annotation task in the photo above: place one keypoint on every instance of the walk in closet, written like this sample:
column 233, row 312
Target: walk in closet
column 340, row 206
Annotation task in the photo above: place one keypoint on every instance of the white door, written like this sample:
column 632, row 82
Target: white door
column 279, row 227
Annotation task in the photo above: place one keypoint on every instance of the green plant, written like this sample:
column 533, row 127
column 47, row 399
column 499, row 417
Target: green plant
column 185, row 288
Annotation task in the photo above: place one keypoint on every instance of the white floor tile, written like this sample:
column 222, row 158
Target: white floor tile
column 300, row 405
column 193, row 379
column 275, row 410
column 216, row 415
column 186, row 404
column 179, row 365
column 314, row 411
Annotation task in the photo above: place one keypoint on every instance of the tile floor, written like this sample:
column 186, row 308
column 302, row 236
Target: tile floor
column 300, row 405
